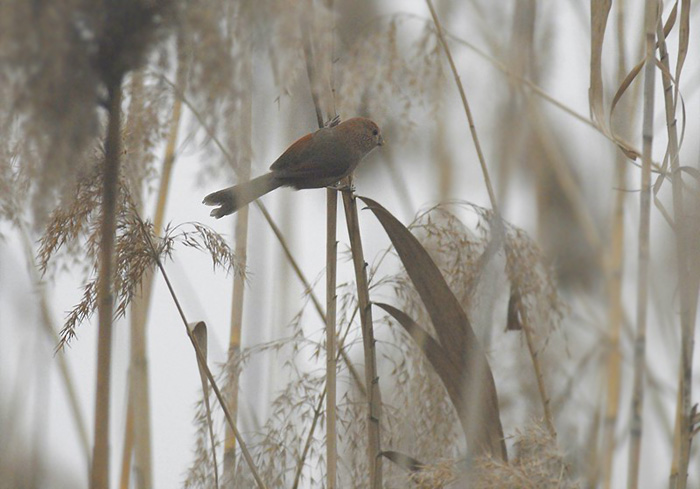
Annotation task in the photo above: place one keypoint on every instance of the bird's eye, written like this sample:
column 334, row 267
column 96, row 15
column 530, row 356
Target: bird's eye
column 375, row 132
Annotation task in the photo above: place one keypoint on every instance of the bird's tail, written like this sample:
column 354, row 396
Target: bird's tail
column 230, row 199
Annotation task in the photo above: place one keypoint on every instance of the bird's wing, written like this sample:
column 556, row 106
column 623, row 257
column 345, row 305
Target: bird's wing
column 296, row 154
column 308, row 158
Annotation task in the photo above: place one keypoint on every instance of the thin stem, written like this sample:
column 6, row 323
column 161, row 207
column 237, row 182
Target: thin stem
column 202, row 360
column 142, row 303
column 331, row 304
column 137, row 429
column 49, row 328
column 318, row 411
column 683, row 228
column 241, row 252
column 613, row 274
column 368, row 342
column 331, row 267
column 467, row 110
column 534, row 355
column 99, row 477
column 644, row 222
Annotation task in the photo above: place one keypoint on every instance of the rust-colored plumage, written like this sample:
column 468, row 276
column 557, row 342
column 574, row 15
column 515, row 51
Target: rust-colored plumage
column 316, row 160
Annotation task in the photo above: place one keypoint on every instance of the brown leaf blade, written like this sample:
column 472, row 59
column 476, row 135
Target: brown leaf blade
column 599, row 19
column 449, row 372
column 683, row 38
column 480, row 417
column 200, row 335
column 404, row 461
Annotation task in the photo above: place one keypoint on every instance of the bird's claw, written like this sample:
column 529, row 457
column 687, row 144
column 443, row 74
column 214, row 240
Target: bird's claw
column 333, row 122
column 343, row 187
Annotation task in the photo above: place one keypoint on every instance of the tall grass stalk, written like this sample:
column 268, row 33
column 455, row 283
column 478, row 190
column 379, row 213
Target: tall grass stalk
column 49, row 328
column 202, row 362
column 138, row 368
column 99, row 477
column 651, row 14
column 241, row 251
column 614, row 270
column 368, row 342
column 316, row 85
column 318, row 410
column 688, row 286
column 331, row 304
column 137, row 430
column 467, row 109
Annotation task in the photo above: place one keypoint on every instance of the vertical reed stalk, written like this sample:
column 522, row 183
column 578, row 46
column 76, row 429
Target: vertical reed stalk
column 49, row 328
column 331, row 299
column 139, row 399
column 317, row 85
column 614, row 269
column 539, row 376
column 99, row 477
column 137, row 437
column 202, row 362
column 241, row 252
column 317, row 412
column 368, row 342
column 683, row 228
column 331, row 303
column 467, row 109
column 651, row 13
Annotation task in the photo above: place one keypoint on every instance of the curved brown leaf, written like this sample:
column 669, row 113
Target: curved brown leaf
column 480, row 414
column 404, row 461
column 449, row 372
column 599, row 19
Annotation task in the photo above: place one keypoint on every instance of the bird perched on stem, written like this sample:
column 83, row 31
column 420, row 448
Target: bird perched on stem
column 316, row 160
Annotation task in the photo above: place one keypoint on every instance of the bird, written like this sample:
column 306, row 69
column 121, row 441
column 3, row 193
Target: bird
column 317, row 160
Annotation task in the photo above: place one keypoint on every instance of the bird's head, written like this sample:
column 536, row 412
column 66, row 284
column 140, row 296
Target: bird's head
column 364, row 133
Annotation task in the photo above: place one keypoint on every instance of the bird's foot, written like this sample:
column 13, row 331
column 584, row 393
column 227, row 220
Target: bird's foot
column 333, row 122
column 343, row 186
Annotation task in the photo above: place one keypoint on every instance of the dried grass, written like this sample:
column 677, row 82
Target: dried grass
column 538, row 464
column 72, row 237
column 458, row 252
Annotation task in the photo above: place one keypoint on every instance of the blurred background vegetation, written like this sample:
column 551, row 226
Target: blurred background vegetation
column 584, row 300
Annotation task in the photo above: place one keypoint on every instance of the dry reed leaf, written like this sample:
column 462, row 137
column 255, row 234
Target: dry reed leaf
column 683, row 38
column 483, row 425
column 425, row 476
column 663, row 172
column 670, row 22
column 199, row 332
column 437, row 476
column 599, row 19
column 513, row 322
column 626, row 83
column 452, row 373
column 538, row 463
column 404, row 461
column 73, row 233
column 624, row 86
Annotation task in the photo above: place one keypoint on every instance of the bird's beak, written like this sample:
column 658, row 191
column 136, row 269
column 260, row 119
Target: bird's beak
column 381, row 141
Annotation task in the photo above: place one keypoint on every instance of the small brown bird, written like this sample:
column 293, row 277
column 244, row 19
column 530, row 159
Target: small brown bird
column 316, row 160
